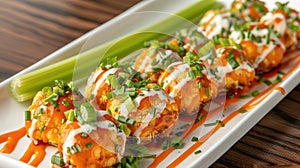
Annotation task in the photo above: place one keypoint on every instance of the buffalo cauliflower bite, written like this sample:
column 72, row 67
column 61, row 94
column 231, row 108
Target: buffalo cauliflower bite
column 249, row 11
column 153, row 60
column 99, row 85
column 100, row 144
column 230, row 68
column 47, row 113
column 286, row 23
column 150, row 116
column 263, row 49
column 188, row 85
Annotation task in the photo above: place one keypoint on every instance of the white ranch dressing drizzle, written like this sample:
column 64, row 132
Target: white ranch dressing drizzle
column 216, row 23
column 33, row 125
column 272, row 19
column 159, row 108
column 103, row 78
column 268, row 48
column 178, row 69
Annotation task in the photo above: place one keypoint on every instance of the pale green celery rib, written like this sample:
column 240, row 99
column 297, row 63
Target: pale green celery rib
column 24, row 87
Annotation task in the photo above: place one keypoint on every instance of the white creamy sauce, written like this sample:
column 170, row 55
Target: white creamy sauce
column 178, row 87
column 103, row 78
column 272, row 19
column 179, row 68
column 70, row 140
column 268, row 48
column 31, row 130
column 159, row 108
column 216, row 23
column 142, row 66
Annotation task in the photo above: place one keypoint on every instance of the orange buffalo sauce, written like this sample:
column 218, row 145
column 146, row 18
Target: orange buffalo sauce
column 11, row 138
column 39, row 151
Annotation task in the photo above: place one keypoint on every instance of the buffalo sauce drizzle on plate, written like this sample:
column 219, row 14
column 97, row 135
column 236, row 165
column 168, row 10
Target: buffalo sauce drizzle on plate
column 229, row 101
column 12, row 138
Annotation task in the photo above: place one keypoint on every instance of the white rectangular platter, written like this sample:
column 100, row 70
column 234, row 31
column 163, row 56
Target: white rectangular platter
column 11, row 112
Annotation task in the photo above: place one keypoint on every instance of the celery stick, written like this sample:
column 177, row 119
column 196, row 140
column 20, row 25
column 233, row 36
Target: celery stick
column 24, row 87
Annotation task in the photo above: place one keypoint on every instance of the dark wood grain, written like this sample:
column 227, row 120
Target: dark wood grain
column 32, row 29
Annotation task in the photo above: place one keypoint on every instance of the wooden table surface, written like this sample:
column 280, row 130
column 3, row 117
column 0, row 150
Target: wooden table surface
column 32, row 29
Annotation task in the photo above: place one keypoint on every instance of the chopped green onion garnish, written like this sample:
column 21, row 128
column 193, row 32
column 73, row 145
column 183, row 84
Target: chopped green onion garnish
column 207, row 92
column 197, row 152
column 113, row 81
column 84, row 135
column 78, row 148
column 294, row 27
column 232, row 61
column 110, row 95
column 266, row 81
column 177, row 142
column 88, row 145
column 244, row 96
column 277, row 80
column 66, row 103
column 129, row 104
column 255, row 93
column 126, row 120
column 199, row 117
column 242, row 110
column 210, row 124
column 43, row 128
column 192, row 74
column 269, row 35
column 27, row 115
column 200, row 85
column 194, row 139
column 88, row 113
column 57, row 160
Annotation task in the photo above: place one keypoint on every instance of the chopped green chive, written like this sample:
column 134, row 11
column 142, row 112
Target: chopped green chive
column 27, row 115
column 269, row 35
column 207, row 92
column 197, row 152
column 84, row 135
column 232, row 61
column 194, row 139
column 244, row 96
column 242, row 110
column 66, row 103
column 43, row 128
column 192, row 74
column 199, row 117
column 210, row 124
column 110, row 95
column 255, row 93
column 88, row 145
column 200, row 85
column 88, row 113
column 57, row 160
column 277, row 80
column 126, row 120
column 177, row 142
column 266, row 81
